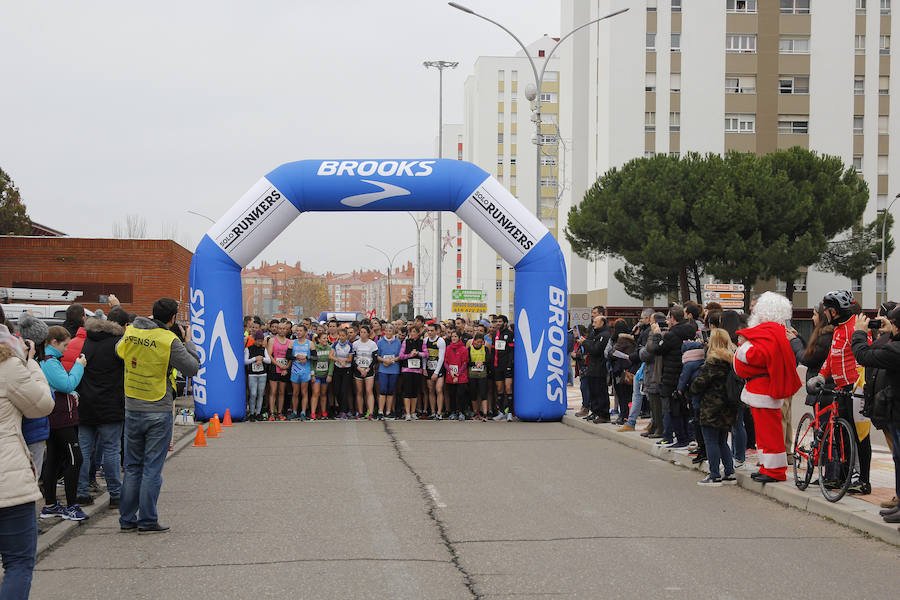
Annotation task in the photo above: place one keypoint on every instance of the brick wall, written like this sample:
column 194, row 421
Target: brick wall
column 150, row 269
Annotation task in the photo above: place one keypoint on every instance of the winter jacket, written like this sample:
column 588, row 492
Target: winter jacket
column 456, row 356
column 692, row 357
column 76, row 345
column 101, row 396
column 716, row 408
column 767, row 363
column 594, row 347
column 182, row 356
column 815, row 360
column 652, row 365
column 620, row 357
column 23, row 391
column 668, row 348
column 885, row 384
column 63, row 384
column 840, row 364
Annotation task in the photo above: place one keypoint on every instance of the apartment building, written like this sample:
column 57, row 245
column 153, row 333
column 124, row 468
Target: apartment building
column 674, row 76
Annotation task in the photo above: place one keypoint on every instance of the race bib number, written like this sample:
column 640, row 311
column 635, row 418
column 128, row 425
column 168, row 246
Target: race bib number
column 281, row 362
column 389, row 357
column 257, row 367
column 363, row 362
column 501, row 345
column 414, row 363
column 454, row 370
column 478, row 368
column 431, row 365
column 322, row 366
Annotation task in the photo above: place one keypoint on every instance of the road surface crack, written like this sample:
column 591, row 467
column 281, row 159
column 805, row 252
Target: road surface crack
column 241, row 564
column 432, row 513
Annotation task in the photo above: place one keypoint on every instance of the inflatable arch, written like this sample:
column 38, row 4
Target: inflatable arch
column 385, row 185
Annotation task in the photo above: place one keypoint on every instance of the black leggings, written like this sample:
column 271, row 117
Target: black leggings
column 458, row 396
column 63, row 455
column 341, row 384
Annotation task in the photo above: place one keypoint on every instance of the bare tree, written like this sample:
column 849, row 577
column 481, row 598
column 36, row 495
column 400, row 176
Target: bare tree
column 131, row 227
column 170, row 230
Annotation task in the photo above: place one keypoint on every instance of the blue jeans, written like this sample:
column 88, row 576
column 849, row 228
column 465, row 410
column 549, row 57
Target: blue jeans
column 585, row 392
column 147, row 438
column 717, row 450
column 18, row 547
column 739, row 437
column 257, row 389
column 109, row 436
column 637, row 400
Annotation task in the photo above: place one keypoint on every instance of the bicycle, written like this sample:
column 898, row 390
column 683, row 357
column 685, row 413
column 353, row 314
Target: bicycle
column 829, row 447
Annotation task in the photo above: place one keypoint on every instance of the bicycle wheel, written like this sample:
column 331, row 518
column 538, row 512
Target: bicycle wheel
column 804, row 448
column 836, row 459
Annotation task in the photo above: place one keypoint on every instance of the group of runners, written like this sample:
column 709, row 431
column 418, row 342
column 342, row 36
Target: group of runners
column 377, row 369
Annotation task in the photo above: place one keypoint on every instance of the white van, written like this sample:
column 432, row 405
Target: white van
column 41, row 311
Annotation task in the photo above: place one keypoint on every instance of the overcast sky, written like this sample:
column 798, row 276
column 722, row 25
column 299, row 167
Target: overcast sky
column 114, row 108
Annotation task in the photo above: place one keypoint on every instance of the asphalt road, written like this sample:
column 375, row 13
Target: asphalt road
column 457, row 510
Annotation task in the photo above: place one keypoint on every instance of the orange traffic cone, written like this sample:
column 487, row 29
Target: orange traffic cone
column 200, row 439
column 217, row 422
column 227, row 421
column 211, row 431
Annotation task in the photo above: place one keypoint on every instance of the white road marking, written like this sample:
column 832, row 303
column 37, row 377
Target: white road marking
column 432, row 491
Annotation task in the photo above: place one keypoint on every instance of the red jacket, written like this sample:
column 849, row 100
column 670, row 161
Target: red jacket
column 456, row 355
column 73, row 350
column 767, row 363
column 840, row 364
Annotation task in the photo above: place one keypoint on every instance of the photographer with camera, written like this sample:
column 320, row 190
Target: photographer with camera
column 151, row 350
column 882, row 362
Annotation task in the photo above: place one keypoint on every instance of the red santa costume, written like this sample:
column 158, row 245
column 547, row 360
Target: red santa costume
column 765, row 360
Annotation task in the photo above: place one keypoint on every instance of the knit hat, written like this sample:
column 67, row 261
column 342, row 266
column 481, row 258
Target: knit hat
column 32, row 328
column 259, row 335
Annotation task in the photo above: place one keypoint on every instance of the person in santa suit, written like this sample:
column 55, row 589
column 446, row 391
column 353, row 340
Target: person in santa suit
column 766, row 362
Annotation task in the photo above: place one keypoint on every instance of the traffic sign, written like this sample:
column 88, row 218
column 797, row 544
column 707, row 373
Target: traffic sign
column 469, row 307
column 467, row 295
column 724, row 295
column 724, row 287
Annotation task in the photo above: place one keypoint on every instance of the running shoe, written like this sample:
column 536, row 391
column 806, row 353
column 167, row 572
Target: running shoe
column 729, row 480
column 342, row 416
column 303, row 416
column 499, row 416
column 440, row 417
column 49, row 512
column 282, row 418
column 271, row 418
column 369, row 415
column 292, row 416
column 324, row 415
column 312, row 417
column 380, row 416
column 678, row 445
column 461, row 417
column 74, row 513
column 408, row 417
column 452, row 416
column 710, row 481
column 663, row 442
column 510, row 417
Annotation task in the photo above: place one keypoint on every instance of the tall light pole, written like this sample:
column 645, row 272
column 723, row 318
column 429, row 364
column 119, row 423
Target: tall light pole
column 419, row 226
column 390, row 270
column 534, row 95
column 440, row 65
column 883, row 258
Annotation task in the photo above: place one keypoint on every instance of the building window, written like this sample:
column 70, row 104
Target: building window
column 793, row 45
column 880, row 283
column 859, row 85
column 651, row 42
column 884, row 44
column 675, row 45
column 674, row 122
column 857, row 125
column 548, row 161
column 740, row 123
column 740, row 42
column 859, row 44
column 551, row 76
column 512, row 160
column 649, row 121
column 650, row 82
column 881, row 202
column 855, row 285
column 548, row 181
column 860, row 7
column 649, row 154
column 675, row 154
column 500, row 75
column 882, row 164
column 740, row 84
column 548, row 97
column 795, row 7
column 884, row 86
column 501, row 95
column 883, row 124
column 499, row 159
column 500, row 117
column 740, row 6
column 793, row 124
column 675, row 83
column 499, row 138
column 799, row 284
column 676, row 6
column 548, row 139
column 651, row 5
column 793, row 84
column 857, row 163
column 885, row 7
column 499, row 284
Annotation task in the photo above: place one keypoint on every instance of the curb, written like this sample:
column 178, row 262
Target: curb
column 65, row 529
column 849, row 512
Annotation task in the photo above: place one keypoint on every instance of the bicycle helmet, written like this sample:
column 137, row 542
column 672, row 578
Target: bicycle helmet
column 840, row 300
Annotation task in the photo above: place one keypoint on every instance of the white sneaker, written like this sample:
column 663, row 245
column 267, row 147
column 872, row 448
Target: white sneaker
column 499, row 417
column 509, row 417
column 709, row 481
column 408, row 417
column 692, row 446
column 440, row 417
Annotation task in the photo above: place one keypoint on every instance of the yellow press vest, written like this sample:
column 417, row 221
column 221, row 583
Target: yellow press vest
column 146, row 356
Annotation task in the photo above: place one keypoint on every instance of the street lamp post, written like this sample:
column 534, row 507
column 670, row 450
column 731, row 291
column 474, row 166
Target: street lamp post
column 534, row 95
column 883, row 258
column 390, row 269
column 440, row 65
column 419, row 226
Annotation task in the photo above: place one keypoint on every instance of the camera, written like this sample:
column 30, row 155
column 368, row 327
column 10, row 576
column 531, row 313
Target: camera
column 875, row 324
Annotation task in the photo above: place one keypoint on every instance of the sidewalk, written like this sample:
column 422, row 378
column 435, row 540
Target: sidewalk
column 857, row 512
